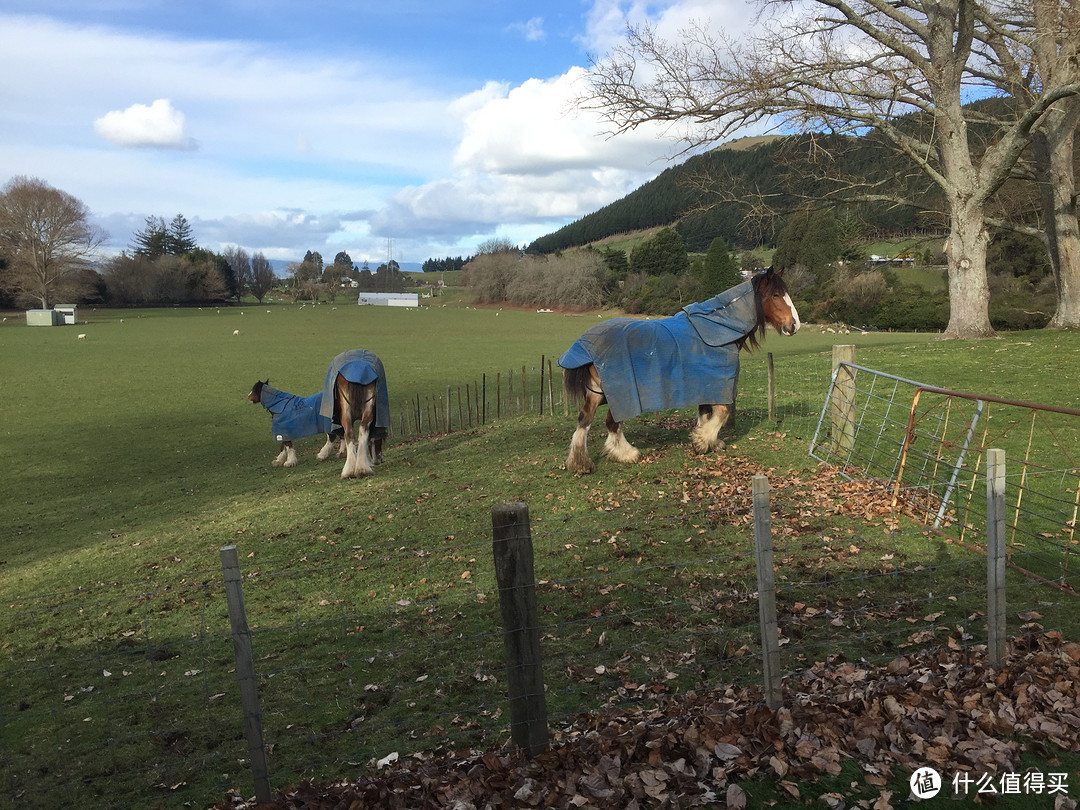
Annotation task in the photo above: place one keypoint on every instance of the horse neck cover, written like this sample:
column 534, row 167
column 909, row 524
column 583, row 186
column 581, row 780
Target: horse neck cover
column 295, row 417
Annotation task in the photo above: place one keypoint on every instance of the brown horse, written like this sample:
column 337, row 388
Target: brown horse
column 354, row 394
column 638, row 366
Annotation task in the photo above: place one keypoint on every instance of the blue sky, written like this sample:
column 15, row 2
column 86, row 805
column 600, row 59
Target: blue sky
column 325, row 125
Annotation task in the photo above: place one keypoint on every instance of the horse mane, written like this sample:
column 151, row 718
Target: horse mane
column 749, row 341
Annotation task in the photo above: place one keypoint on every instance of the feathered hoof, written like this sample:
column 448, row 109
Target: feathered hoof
column 623, row 453
column 290, row 463
column 347, row 474
column 579, row 463
column 702, row 445
column 277, row 463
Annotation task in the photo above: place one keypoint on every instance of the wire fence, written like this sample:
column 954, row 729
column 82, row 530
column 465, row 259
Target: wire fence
column 933, row 443
column 768, row 390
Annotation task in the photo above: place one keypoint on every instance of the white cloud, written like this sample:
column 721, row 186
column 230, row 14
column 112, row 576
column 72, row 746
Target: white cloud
column 535, row 129
column 532, row 30
column 158, row 125
column 526, row 156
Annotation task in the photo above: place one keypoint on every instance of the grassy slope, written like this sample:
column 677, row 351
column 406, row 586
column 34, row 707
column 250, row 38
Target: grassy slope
column 151, row 458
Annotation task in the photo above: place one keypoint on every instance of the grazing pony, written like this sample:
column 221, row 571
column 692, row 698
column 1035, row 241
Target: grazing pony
column 640, row 366
column 355, row 392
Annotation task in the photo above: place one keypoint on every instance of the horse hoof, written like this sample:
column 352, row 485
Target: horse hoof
column 580, row 467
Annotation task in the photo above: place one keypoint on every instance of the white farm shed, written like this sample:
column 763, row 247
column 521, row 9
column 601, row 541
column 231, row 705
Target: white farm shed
column 389, row 299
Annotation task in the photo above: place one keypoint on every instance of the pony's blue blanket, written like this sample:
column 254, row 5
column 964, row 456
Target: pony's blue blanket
column 295, row 417
column 363, row 367
column 688, row 359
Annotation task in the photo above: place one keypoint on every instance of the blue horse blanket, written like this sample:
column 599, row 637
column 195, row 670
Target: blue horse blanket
column 295, row 417
column 688, row 359
column 363, row 367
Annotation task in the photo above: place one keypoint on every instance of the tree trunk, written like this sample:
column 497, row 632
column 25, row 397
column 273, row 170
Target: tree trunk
column 969, row 292
column 1053, row 150
column 966, row 192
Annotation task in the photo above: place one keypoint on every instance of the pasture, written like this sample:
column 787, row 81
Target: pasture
column 132, row 456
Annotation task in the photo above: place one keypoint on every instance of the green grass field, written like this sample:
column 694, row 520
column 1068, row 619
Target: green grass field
column 131, row 457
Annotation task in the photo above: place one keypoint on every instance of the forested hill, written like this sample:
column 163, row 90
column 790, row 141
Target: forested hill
column 787, row 168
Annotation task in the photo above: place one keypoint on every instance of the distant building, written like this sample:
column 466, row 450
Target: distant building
column 895, row 260
column 389, row 299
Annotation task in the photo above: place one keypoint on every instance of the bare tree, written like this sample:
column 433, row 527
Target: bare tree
column 496, row 244
column 262, row 276
column 1028, row 46
column 44, row 236
column 240, row 263
column 838, row 66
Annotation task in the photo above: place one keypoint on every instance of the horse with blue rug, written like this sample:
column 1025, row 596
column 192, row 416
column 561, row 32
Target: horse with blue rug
column 354, row 392
column 640, row 366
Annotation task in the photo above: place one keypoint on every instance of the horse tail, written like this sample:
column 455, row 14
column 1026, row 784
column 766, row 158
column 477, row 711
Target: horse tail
column 576, row 382
column 348, row 397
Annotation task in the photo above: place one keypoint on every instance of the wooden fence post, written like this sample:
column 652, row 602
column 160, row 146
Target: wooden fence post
column 771, row 390
column 514, row 572
column 995, row 555
column 541, row 385
column 843, row 415
column 766, row 582
column 448, row 409
column 245, row 671
column 551, row 382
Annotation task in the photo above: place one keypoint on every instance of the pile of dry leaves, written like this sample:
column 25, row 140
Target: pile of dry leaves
column 948, row 710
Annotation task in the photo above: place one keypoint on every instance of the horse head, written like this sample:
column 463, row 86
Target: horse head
column 775, row 302
column 256, row 390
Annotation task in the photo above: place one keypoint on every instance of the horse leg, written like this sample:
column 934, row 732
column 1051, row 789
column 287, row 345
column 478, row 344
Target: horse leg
column 711, row 418
column 327, row 449
column 616, row 447
column 376, row 451
column 578, row 459
column 355, row 406
column 287, row 456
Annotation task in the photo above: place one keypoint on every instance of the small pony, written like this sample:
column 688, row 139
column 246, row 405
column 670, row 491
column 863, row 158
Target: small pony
column 641, row 366
column 355, row 391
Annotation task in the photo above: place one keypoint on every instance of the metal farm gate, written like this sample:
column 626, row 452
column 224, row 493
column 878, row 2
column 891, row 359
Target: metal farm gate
column 930, row 444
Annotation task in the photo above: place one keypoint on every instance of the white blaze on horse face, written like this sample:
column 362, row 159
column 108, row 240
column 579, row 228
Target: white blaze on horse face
column 794, row 313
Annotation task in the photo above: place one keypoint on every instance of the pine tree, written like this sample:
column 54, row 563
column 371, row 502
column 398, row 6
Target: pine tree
column 179, row 239
column 720, row 270
column 153, row 240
